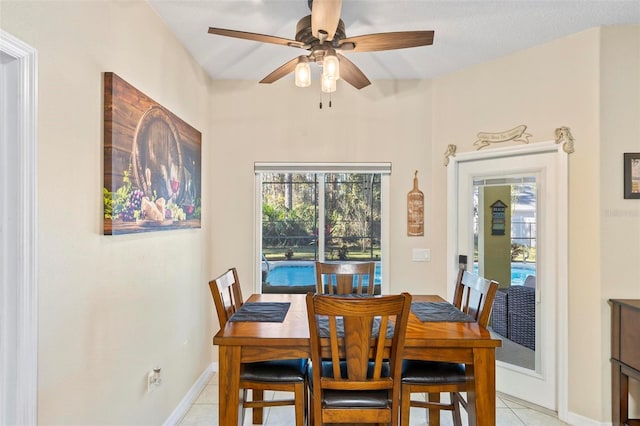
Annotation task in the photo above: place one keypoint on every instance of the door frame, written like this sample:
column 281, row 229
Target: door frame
column 562, row 194
column 24, row 357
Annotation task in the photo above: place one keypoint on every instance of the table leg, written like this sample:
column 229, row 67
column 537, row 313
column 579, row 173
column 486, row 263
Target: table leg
column 229, row 406
column 482, row 399
column 619, row 395
column 615, row 394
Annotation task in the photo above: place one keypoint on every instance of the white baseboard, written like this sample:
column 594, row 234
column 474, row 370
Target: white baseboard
column 578, row 420
column 184, row 405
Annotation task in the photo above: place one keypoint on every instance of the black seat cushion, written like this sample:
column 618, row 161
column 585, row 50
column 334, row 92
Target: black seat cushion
column 348, row 398
column 289, row 370
column 426, row 372
column 356, row 399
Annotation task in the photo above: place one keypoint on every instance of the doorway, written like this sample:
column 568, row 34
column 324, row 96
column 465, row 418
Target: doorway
column 508, row 208
column 18, row 232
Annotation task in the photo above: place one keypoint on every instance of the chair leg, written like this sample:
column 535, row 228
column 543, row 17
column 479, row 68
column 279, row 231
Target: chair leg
column 243, row 398
column 434, row 414
column 316, row 411
column 301, row 406
column 257, row 395
column 456, row 401
column 405, row 404
column 309, row 396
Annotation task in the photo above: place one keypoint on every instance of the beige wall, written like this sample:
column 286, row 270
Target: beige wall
column 546, row 87
column 389, row 121
column 562, row 83
column 113, row 307
column 110, row 307
column 619, row 218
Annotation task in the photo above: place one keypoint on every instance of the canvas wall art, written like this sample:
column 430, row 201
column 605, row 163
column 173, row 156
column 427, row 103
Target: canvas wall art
column 152, row 164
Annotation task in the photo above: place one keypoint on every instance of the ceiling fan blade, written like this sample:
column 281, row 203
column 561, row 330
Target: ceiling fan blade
column 387, row 41
column 325, row 15
column 350, row 73
column 280, row 72
column 257, row 37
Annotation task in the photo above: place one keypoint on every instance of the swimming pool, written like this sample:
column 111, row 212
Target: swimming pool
column 300, row 273
column 519, row 272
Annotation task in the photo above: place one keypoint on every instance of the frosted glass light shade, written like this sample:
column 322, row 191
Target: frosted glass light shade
column 328, row 84
column 303, row 72
column 331, row 66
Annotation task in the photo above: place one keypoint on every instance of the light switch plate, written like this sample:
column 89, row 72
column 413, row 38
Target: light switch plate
column 421, row 255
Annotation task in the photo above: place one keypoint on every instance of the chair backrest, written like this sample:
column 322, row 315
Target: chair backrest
column 227, row 295
column 474, row 295
column 530, row 281
column 344, row 276
column 360, row 335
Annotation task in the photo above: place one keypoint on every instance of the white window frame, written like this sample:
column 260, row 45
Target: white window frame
column 384, row 169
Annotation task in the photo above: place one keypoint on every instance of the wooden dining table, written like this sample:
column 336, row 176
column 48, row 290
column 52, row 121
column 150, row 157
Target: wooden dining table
column 461, row 342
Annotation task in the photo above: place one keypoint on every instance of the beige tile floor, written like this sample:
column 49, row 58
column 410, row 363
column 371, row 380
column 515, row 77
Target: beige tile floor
column 204, row 411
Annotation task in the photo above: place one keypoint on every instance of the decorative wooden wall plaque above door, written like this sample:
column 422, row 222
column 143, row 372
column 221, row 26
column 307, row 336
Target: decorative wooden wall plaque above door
column 152, row 164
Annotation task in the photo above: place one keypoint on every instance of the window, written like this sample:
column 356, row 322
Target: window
column 523, row 231
column 345, row 201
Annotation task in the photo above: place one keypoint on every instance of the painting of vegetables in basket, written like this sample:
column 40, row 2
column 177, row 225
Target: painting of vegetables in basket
column 152, row 164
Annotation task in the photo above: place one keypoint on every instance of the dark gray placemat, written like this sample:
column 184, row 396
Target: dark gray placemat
column 439, row 312
column 261, row 312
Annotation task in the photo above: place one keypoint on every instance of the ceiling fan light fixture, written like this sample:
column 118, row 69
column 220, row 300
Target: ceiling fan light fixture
column 323, row 34
column 331, row 65
column 303, row 72
column 328, row 84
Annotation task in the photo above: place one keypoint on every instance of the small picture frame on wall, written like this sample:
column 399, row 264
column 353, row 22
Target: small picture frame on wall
column 632, row 175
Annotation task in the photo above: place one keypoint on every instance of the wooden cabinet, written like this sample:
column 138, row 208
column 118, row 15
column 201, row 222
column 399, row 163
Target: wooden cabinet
column 625, row 357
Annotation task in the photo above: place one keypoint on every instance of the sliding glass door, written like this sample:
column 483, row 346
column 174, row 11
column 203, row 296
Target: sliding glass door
column 309, row 215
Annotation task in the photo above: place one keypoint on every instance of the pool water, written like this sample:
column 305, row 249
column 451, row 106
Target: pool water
column 519, row 272
column 303, row 273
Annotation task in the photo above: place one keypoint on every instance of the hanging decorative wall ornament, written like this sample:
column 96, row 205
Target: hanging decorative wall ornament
column 563, row 136
column 450, row 152
column 498, row 218
column 415, row 210
column 516, row 134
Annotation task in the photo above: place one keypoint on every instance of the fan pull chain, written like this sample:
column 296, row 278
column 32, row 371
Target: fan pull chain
column 329, row 100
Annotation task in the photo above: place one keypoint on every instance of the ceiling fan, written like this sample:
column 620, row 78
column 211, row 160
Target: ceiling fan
column 323, row 34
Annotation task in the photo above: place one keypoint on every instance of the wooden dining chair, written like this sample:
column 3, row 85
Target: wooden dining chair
column 473, row 295
column 280, row 375
column 356, row 357
column 345, row 276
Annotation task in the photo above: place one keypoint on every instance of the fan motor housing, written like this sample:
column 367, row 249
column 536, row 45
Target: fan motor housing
column 305, row 35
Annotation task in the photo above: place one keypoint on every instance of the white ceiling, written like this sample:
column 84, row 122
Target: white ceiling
column 466, row 32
